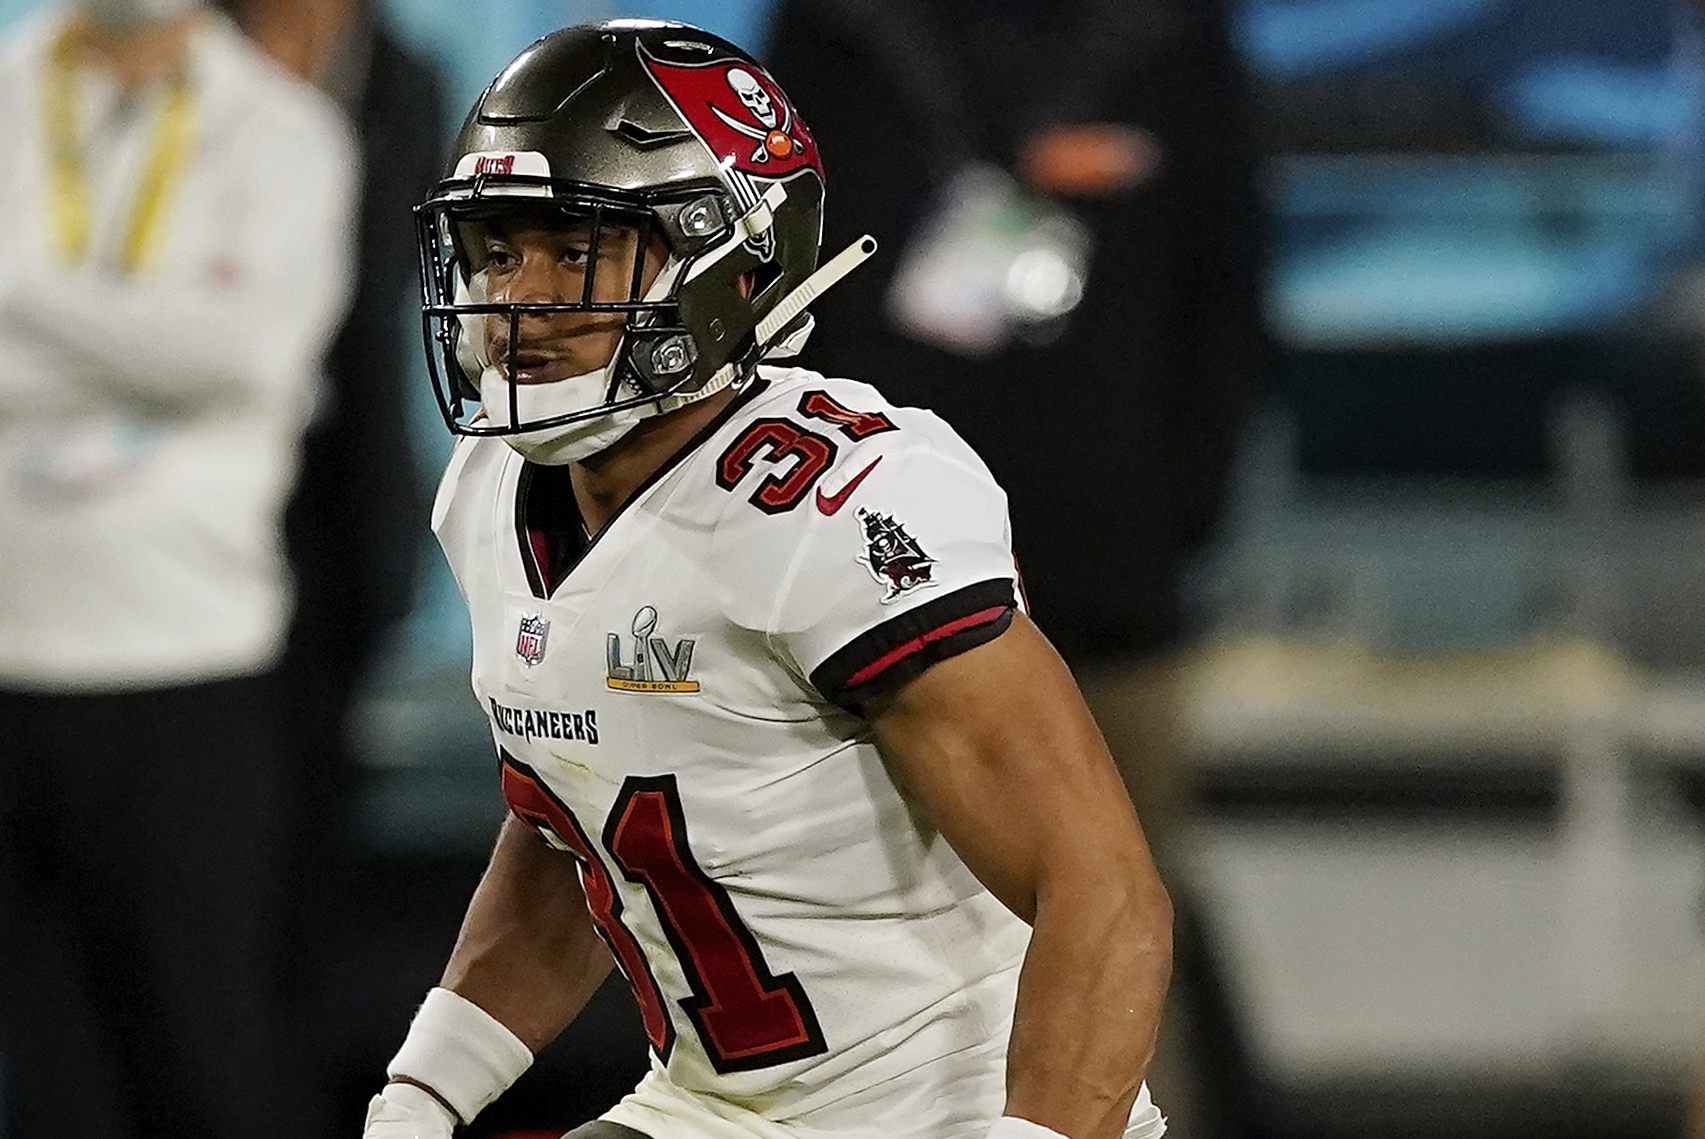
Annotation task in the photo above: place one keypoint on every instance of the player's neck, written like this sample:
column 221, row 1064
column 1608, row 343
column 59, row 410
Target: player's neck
column 604, row 482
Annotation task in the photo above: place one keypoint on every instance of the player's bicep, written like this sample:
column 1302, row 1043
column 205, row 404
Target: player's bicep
column 996, row 747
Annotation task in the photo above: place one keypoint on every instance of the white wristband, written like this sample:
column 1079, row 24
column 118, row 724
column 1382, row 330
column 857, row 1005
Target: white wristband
column 1012, row 1127
column 460, row 1051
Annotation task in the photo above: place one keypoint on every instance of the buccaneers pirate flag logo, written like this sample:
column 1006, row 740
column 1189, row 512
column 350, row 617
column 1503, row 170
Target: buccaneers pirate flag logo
column 739, row 113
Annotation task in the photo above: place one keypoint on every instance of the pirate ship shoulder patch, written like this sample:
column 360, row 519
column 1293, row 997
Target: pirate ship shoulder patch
column 893, row 557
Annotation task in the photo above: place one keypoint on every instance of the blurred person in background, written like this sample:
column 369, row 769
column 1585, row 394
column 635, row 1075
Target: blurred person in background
column 356, row 521
column 1112, row 425
column 777, row 738
column 359, row 509
column 173, row 264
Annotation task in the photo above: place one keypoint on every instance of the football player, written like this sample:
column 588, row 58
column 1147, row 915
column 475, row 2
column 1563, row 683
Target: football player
column 778, row 739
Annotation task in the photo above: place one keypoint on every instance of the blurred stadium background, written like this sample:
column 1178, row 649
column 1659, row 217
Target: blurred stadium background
column 1450, row 711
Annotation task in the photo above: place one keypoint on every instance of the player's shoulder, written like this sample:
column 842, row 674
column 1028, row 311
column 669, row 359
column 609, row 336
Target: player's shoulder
column 851, row 522
column 803, row 450
column 854, row 416
column 470, row 477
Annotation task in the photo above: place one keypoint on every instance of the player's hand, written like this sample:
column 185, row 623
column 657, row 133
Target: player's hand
column 403, row 1111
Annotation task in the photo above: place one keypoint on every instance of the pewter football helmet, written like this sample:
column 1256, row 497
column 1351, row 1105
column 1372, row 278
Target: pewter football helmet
column 648, row 126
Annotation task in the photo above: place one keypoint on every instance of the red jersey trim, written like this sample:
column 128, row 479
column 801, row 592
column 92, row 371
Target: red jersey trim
column 894, row 656
column 908, row 643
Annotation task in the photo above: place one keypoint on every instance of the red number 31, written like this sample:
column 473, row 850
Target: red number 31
column 745, row 1016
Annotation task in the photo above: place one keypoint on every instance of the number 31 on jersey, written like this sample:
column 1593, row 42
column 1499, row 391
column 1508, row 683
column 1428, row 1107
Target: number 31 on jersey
column 744, row 1015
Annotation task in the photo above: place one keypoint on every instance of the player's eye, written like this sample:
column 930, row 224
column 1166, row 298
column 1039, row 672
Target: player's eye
column 498, row 257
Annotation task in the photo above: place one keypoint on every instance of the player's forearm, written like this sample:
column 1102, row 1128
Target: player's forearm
column 1089, row 1004
column 527, row 953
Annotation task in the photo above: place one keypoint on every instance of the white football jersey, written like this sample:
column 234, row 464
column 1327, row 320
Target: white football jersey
column 676, row 702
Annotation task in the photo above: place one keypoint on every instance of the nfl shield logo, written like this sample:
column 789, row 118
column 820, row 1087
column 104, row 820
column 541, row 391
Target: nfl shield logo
column 530, row 642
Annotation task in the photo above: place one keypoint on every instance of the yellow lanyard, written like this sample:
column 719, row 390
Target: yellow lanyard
column 69, row 180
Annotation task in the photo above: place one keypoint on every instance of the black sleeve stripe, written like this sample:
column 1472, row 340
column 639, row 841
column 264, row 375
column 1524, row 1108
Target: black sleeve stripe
column 904, row 646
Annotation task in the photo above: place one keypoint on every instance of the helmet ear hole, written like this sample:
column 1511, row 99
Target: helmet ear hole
column 758, row 282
